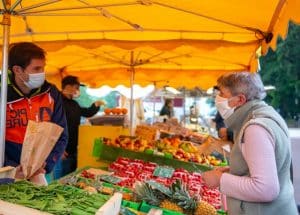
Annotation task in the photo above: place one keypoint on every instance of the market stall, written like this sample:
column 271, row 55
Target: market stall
column 134, row 44
column 123, row 161
column 120, row 40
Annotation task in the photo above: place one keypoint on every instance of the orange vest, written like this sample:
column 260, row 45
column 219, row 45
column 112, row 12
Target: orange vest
column 18, row 112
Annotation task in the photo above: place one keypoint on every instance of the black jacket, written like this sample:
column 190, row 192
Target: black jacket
column 73, row 113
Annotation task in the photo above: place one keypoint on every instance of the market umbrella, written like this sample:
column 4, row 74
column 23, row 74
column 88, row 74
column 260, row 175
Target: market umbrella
column 162, row 24
column 185, row 65
column 191, row 39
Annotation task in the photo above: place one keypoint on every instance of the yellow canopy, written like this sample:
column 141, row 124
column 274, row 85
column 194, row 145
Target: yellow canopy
column 179, row 43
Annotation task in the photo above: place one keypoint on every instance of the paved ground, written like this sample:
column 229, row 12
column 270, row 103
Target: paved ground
column 295, row 137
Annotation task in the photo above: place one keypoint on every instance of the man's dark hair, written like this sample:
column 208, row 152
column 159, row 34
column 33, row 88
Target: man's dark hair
column 69, row 80
column 168, row 101
column 21, row 54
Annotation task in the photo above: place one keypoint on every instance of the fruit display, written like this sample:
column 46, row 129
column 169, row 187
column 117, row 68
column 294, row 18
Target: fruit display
column 146, row 132
column 173, row 128
column 130, row 143
column 124, row 174
column 115, row 111
column 131, row 171
column 176, row 198
column 169, row 147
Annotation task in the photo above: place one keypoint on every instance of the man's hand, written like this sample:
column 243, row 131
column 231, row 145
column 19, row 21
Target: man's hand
column 20, row 175
column 40, row 170
column 99, row 103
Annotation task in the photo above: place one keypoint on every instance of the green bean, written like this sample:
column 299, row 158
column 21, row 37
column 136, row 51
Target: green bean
column 55, row 198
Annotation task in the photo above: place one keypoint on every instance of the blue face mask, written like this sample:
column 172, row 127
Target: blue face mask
column 35, row 80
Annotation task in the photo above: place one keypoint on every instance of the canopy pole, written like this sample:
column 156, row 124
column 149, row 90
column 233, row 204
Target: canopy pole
column 3, row 100
column 132, row 73
column 154, row 101
column 184, row 110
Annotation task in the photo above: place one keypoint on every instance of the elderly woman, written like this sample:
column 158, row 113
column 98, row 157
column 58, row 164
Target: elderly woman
column 258, row 181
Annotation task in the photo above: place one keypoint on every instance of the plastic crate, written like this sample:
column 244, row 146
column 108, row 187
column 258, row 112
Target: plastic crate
column 222, row 212
column 129, row 204
column 146, row 208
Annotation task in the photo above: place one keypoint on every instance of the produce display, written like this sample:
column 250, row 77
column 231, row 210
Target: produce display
column 135, row 177
column 115, row 111
column 130, row 171
column 172, row 147
column 170, row 128
column 54, row 198
column 185, row 151
column 96, row 182
column 130, row 143
column 147, row 132
column 176, row 198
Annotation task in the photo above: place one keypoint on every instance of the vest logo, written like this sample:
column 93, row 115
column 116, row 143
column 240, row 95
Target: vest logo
column 16, row 118
column 17, row 115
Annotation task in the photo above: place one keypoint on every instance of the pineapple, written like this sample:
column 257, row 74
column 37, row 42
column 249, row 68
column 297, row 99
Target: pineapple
column 157, row 197
column 177, row 199
column 145, row 193
column 167, row 204
column 205, row 209
column 190, row 204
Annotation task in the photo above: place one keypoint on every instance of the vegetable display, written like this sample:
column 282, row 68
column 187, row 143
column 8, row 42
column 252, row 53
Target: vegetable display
column 54, row 198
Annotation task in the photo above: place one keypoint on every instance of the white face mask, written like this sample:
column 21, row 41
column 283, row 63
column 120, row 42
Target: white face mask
column 35, row 80
column 222, row 106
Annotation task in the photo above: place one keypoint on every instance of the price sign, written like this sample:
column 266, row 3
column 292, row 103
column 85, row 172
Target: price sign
column 163, row 171
column 110, row 179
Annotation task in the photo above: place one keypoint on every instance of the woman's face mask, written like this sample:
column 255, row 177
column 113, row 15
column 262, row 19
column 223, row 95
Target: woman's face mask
column 35, row 80
column 223, row 107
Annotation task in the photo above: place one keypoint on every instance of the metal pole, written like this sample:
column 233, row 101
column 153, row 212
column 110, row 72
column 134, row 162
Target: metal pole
column 131, row 93
column 184, row 110
column 3, row 100
column 154, row 102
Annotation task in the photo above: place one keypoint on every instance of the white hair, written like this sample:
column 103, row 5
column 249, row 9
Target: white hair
column 247, row 83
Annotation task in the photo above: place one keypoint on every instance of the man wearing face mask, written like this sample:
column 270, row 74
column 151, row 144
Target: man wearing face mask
column 31, row 97
column 258, row 180
column 70, row 90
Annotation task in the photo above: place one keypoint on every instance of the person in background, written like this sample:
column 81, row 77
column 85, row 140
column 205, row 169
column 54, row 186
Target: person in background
column 31, row 97
column 70, row 90
column 193, row 115
column 167, row 109
column 258, row 180
column 223, row 132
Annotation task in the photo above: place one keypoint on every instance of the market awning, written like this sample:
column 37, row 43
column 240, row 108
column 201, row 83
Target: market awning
column 188, row 66
column 187, row 44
